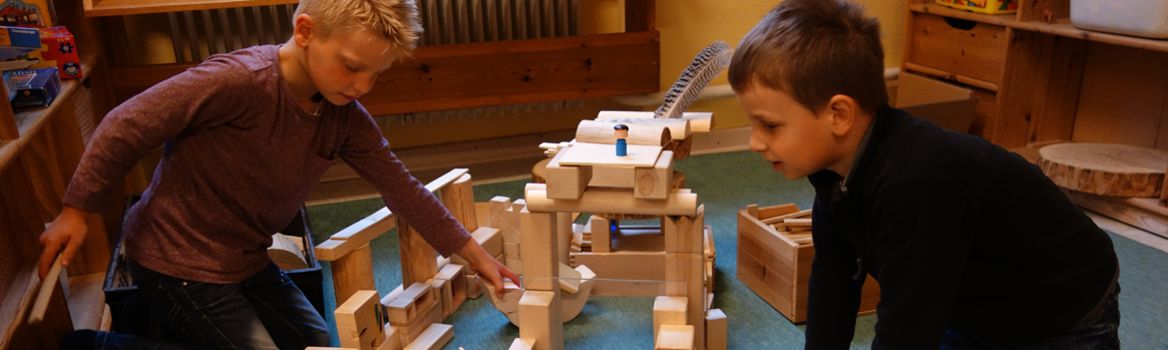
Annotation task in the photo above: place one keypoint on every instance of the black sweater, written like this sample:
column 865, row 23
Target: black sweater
column 961, row 234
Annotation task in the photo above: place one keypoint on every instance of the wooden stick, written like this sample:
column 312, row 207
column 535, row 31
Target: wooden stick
column 781, row 218
column 41, row 304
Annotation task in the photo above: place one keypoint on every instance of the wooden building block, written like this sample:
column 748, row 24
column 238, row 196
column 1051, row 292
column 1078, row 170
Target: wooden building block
column 458, row 197
column 601, row 234
column 432, row 314
column 418, row 262
column 411, row 303
column 668, row 310
column 716, row 324
column 331, row 250
column 676, row 337
column 654, row 182
column 613, row 177
column 433, row 338
column 391, row 340
column 539, row 319
column 360, row 321
column 353, row 272
column 601, row 132
column 569, row 279
column 566, row 181
column 451, row 284
column 678, row 128
column 697, row 121
column 522, row 344
column 684, row 234
column 563, row 235
column 606, row 200
column 684, row 276
column 496, row 206
column 540, row 266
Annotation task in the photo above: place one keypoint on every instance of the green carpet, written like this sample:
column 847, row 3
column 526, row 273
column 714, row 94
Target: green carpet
column 724, row 183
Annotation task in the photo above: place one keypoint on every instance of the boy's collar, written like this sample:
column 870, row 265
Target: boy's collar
column 860, row 151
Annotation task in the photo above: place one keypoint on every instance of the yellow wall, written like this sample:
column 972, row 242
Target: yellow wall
column 687, row 26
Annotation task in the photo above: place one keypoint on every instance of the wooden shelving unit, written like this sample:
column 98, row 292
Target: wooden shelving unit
column 1040, row 79
column 96, row 8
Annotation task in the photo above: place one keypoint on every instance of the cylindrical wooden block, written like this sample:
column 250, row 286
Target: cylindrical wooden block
column 352, row 273
column 601, row 132
column 1105, row 169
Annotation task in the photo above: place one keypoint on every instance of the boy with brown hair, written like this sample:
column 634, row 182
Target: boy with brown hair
column 246, row 136
column 973, row 246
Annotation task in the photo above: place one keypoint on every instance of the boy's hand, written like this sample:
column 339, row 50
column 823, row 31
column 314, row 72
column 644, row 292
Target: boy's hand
column 486, row 265
column 66, row 232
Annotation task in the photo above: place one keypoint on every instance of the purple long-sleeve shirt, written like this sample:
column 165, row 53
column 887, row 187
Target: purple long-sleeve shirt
column 240, row 157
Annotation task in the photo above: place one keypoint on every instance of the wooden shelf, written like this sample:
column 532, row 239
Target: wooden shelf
column 1061, row 27
column 30, row 121
column 97, row 8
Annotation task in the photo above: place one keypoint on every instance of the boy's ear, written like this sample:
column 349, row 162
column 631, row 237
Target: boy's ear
column 302, row 27
column 843, row 111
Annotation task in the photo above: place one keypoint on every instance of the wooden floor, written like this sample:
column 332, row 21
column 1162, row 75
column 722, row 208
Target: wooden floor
column 1133, row 233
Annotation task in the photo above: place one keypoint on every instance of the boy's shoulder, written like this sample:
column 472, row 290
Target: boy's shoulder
column 914, row 147
column 251, row 59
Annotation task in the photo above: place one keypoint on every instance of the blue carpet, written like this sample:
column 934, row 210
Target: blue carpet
column 724, row 183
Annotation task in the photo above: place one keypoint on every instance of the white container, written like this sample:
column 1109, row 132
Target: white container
column 1146, row 18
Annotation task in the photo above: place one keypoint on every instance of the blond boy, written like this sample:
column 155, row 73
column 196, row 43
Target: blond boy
column 246, row 135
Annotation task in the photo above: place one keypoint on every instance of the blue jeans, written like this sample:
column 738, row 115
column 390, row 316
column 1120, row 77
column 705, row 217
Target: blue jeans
column 266, row 311
column 1099, row 330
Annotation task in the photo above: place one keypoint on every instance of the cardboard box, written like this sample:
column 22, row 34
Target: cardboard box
column 16, row 42
column 32, row 87
column 949, row 106
column 26, row 13
column 59, row 50
column 989, row 7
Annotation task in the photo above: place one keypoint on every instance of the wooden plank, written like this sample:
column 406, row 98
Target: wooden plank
column 599, row 154
column 458, row 197
column 539, row 319
column 603, row 132
column 603, row 200
column 679, row 128
column 368, row 228
column 433, row 338
column 566, row 181
column 684, row 276
column 417, row 257
column 96, row 8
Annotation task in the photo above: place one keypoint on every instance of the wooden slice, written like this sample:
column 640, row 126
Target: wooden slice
column 1105, row 169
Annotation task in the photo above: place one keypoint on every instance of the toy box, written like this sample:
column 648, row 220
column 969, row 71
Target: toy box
column 59, row 50
column 26, row 13
column 1146, row 18
column 16, row 42
column 32, row 87
column 989, row 7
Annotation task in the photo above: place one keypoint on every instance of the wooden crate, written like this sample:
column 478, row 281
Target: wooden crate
column 776, row 265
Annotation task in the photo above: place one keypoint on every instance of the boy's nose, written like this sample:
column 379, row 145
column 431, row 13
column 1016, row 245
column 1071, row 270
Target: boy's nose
column 756, row 144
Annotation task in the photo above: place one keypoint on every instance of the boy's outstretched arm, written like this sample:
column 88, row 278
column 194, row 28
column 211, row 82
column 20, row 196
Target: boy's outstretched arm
column 486, row 265
column 64, row 235
column 833, row 295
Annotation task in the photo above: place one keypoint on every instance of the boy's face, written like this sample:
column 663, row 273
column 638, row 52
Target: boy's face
column 794, row 139
column 345, row 65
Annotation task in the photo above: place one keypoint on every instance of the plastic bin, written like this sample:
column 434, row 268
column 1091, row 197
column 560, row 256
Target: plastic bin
column 1144, row 18
column 119, row 287
column 989, row 7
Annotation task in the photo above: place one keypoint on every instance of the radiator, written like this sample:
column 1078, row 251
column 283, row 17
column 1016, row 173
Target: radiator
column 198, row 34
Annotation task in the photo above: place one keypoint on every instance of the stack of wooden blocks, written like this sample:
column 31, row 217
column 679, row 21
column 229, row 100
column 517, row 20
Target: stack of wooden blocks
column 410, row 316
column 774, row 259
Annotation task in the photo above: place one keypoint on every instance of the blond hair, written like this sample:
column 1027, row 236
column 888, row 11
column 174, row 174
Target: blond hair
column 394, row 20
column 813, row 49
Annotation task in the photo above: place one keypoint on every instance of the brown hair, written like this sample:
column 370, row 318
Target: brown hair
column 395, row 20
column 812, row 50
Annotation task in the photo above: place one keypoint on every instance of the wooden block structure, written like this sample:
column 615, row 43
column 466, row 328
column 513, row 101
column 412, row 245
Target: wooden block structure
column 775, row 251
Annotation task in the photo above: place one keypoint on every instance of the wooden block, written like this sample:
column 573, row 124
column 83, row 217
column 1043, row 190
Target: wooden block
column 433, row 338
column 391, row 340
column 359, row 321
column 431, row 314
column 793, row 223
column 684, row 234
column 566, row 181
column 601, row 239
column 393, row 294
column 569, row 279
column 563, row 234
column 675, row 337
column 331, row 250
column 602, row 155
column 654, row 182
column 458, row 197
column 716, row 324
column 605, row 200
column 805, row 213
column 668, row 310
column 497, row 206
column 368, row 228
column 613, row 177
column 287, row 252
column 417, row 257
column 411, row 303
column 540, row 267
column 601, row 132
column 698, row 121
column 522, row 344
column 678, row 128
column 539, row 319
column 684, row 276
column 353, row 272
column 451, row 280
column 445, row 295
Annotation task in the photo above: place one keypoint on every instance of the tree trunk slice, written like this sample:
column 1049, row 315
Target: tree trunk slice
column 1105, row 169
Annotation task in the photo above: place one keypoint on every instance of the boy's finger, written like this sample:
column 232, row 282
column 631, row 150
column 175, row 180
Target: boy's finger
column 70, row 251
column 47, row 257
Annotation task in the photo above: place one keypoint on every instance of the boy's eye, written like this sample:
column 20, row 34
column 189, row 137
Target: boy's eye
column 770, row 126
column 351, row 68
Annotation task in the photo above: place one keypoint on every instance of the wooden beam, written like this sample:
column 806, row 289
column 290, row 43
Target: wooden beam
column 353, row 272
column 368, row 228
column 655, row 182
column 540, row 266
column 603, row 200
column 716, row 327
column 539, row 319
